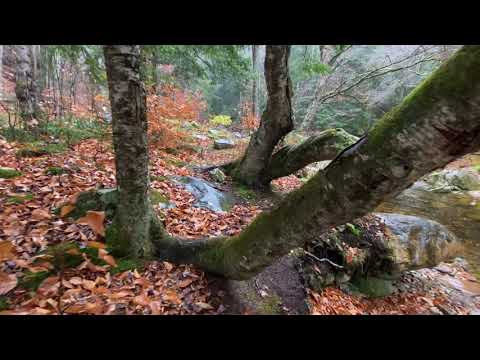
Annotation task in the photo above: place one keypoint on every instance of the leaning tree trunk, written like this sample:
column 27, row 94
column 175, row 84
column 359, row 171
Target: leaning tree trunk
column 276, row 121
column 129, row 122
column 26, row 88
column 437, row 123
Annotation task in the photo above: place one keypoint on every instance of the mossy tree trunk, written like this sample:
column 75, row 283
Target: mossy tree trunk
column 129, row 124
column 437, row 123
column 258, row 167
column 276, row 121
column 26, row 87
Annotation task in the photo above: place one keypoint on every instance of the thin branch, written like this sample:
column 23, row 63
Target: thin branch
column 323, row 260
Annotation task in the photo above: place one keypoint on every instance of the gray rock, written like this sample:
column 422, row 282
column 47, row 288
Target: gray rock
column 417, row 242
column 222, row 144
column 205, row 194
column 217, row 175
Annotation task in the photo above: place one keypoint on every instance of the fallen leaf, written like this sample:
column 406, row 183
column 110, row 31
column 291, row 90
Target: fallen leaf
column 40, row 214
column 142, row 300
column 204, row 306
column 67, row 209
column 103, row 254
column 7, row 282
column 6, row 250
column 168, row 266
column 94, row 219
column 96, row 244
column 171, row 296
column 184, row 283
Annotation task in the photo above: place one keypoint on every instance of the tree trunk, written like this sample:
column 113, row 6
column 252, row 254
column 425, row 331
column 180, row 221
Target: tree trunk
column 254, row 83
column 25, row 87
column 129, row 122
column 1, row 72
column 437, row 123
column 275, row 123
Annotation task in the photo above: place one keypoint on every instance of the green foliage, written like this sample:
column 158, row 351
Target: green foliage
column 72, row 130
column 19, row 199
column 245, row 193
column 353, row 229
column 221, row 120
column 7, row 173
column 315, row 68
column 39, row 149
column 32, row 280
column 15, row 134
column 54, row 170
column 3, row 303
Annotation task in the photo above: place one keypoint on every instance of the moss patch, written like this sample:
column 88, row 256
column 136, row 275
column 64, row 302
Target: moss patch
column 19, row 199
column 157, row 197
column 128, row 264
column 245, row 193
column 55, row 171
column 8, row 173
column 3, row 303
column 31, row 281
column 39, row 149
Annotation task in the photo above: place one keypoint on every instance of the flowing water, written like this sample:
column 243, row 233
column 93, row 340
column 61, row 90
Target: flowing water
column 458, row 211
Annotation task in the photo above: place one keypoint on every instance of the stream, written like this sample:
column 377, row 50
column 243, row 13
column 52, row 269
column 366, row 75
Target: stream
column 458, row 211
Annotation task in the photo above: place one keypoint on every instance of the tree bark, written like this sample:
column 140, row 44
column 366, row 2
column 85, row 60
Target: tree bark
column 26, row 88
column 437, row 123
column 129, row 123
column 254, row 83
column 323, row 146
column 1, row 72
column 275, row 123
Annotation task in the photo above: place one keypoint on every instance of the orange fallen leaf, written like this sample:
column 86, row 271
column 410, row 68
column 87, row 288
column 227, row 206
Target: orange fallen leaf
column 67, row 209
column 7, row 282
column 94, row 219
column 96, row 244
column 171, row 296
column 6, row 250
column 41, row 214
column 142, row 300
column 103, row 254
column 184, row 283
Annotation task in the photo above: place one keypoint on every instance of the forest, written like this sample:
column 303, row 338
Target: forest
column 239, row 180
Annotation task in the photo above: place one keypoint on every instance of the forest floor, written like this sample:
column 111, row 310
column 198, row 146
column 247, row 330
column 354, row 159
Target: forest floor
column 33, row 282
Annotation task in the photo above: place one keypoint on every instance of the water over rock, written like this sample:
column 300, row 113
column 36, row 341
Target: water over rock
column 222, row 144
column 205, row 194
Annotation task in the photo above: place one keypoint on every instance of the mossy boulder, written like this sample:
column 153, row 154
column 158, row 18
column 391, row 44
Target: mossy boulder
column 448, row 180
column 96, row 200
column 373, row 286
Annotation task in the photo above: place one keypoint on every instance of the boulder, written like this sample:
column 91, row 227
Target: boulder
column 448, row 180
column 217, row 175
column 416, row 242
column 222, row 144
